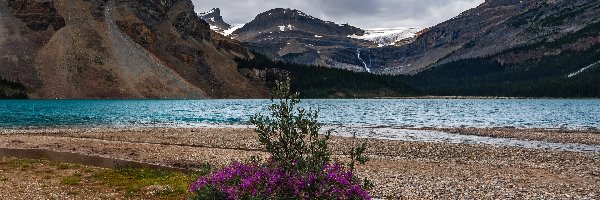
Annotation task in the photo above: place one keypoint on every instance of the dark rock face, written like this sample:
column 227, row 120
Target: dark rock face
column 495, row 3
column 190, row 25
column 152, row 11
column 293, row 36
column 215, row 19
column 230, row 45
column 38, row 15
column 97, row 9
column 139, row 32
column 265, row 76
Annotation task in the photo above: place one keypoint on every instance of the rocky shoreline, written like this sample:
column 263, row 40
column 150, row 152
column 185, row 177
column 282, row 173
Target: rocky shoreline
column 589, row 136
column 401, row 170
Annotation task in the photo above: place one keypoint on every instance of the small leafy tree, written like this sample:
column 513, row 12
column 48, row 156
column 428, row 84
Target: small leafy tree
column 291, row 134
column 357, row 155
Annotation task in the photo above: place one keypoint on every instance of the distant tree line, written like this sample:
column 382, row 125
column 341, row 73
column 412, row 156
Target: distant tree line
column 12, row 90
column 321, row 82
column 545, row 77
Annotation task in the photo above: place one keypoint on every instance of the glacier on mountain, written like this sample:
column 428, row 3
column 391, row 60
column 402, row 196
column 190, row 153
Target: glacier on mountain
column 228, row 32
column 387, row 36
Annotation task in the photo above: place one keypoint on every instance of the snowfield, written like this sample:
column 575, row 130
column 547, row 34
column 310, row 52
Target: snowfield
column 387, row 36
column 232, row 29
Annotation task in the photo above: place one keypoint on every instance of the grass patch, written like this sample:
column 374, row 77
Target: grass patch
column 65, row 166
column 167, row 184
column 71, row 180
column 25, row 167
column 21, row 163
column 131, row 183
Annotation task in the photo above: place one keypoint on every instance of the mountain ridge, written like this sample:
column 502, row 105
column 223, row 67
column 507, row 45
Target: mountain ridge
column 491, row 28
column 500, row 48
column 293, row 36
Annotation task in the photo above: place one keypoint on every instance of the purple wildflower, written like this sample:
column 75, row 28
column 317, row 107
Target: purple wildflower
column 241, row 181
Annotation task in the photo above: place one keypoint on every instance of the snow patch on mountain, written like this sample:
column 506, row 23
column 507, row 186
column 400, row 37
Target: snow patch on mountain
column 228, row 32
column 387, row 36
column 583, row 70
column 289, row 27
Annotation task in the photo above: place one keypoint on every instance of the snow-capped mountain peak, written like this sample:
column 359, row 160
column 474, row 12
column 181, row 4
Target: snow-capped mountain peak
column 286, row 19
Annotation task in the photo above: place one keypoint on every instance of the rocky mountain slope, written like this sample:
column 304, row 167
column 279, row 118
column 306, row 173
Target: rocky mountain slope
column 293, row 36
column 118, row 49
column 496, row 29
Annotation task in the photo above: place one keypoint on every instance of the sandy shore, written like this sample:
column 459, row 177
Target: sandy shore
column 401, row 170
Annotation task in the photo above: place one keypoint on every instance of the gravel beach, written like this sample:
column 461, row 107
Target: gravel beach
column 400, row 170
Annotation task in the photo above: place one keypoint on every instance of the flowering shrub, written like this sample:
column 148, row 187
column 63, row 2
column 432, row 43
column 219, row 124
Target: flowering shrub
column 255, row 181
column 291, row 134
column 300, row 166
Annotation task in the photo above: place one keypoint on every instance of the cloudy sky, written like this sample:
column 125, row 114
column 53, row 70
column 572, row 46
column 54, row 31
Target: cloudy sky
column 360, row 13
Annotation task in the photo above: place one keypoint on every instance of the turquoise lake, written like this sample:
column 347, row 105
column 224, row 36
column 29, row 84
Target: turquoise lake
column 520, row 113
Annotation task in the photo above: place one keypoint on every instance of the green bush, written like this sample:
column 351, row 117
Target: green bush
column 291, row 134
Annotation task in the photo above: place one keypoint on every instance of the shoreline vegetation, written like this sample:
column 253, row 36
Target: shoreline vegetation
column 400, row 170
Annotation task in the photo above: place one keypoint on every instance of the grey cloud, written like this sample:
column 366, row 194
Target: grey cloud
column 360, row 13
